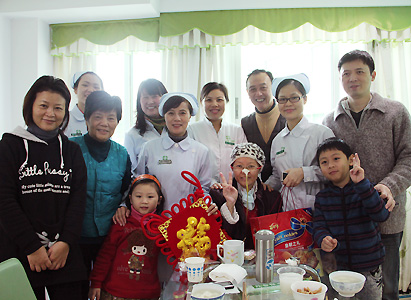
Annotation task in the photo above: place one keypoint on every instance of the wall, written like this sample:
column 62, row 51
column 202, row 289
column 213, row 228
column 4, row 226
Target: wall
column 5, row 68
column 24, row 56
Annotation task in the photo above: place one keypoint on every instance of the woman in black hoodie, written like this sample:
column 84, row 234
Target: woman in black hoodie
column 43, row 192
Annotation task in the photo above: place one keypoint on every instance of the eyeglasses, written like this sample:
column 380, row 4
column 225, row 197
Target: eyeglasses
column 292, row 100
column 249, row 168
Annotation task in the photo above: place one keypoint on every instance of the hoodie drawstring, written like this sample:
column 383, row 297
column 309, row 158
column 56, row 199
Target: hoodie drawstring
column 61, row 152
column 26, row 146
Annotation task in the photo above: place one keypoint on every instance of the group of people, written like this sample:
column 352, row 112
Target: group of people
column 64, row 180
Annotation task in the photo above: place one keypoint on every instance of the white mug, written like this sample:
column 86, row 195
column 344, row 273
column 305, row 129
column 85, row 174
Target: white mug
column 233, row 252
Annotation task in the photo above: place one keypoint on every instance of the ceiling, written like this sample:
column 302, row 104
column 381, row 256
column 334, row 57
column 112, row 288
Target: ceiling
column 63, row 11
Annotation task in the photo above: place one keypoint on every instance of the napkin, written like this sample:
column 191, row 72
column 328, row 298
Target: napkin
column 228, row 272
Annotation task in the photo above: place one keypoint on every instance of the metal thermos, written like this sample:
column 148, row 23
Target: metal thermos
column 264, row 247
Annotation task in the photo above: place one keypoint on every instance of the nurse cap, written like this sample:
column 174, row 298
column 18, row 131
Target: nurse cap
column 301, row 78
column 76, row 77
column 189, row 97
column 250, row 150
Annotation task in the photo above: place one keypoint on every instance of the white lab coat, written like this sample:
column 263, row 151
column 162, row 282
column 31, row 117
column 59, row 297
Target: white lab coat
column 77, row 124
column 219, row 144
column 166, row 160
column 295, row 149
column 133, row 141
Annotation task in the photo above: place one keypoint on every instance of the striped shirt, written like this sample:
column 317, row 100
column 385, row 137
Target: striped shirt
column 350, row 215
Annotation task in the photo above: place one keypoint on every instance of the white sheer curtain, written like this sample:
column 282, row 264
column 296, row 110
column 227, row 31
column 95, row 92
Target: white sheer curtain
column 181, row 69
column 305, row 33
column 405, row 249
column 189, row 69
column 129, row 44
column 66, row 66
column 393, row 67
column 192, row 59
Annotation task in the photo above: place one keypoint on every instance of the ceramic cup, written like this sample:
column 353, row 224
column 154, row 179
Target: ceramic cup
column 195, row 268
column 233, row 252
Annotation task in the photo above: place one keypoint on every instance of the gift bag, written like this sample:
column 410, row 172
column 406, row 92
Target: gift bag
column 293, row 233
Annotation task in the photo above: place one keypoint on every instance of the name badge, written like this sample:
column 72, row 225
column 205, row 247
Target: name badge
column 77, row 133
column 281, row 152
column 165, row 161
column 229, row 141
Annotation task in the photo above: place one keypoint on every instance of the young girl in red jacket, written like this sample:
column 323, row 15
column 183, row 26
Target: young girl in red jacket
column 126, row 266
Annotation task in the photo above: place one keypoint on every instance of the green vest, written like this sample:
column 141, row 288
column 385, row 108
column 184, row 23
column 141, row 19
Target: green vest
column 104, row 181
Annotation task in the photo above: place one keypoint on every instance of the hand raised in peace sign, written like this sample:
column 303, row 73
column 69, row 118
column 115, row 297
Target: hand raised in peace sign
column 230, row 193
column 356, row 173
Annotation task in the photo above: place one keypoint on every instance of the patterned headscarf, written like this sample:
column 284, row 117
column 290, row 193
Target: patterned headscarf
column 250, row 150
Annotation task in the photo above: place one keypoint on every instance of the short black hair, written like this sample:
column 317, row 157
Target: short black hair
column 333, row 143
column 362, row 55
column 46, row 84
column 211, row 86
column 258, row 71
column 174, row 102
column 298, row 85
column 102, row 101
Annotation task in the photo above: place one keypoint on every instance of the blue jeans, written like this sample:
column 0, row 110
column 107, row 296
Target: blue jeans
column 391, row 266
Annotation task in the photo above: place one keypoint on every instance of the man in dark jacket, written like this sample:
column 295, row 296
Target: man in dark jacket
column 261, row 126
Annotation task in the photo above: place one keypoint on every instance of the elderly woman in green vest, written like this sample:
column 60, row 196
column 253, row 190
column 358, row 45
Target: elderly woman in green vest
column 108, row 172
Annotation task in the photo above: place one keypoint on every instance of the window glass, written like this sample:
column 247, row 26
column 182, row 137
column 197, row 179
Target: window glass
column 122, row 74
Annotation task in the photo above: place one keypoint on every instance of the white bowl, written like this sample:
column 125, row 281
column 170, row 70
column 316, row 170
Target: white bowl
column 347, row 283
column 207, row 291
column 313, row 285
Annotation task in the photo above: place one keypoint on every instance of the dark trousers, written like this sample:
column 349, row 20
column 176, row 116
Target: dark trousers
column 391, row 266
column 90, row 252
column 63, row 291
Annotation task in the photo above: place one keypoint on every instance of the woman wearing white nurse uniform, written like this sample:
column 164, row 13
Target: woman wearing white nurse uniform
column 293, row 150
column 175, row 151
column 217, row 135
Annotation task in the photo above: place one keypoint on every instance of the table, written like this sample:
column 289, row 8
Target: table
column 255, row 289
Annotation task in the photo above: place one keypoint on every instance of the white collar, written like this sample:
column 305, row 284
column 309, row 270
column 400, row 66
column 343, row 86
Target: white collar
column 167, row 142
column 77, row 114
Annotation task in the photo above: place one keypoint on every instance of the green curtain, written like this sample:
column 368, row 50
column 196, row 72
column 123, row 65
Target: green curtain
column 231, row 21
column 104, row 33
column 282, row 20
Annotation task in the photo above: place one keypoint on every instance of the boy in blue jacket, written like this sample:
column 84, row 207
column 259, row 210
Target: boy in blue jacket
column 346, row 215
